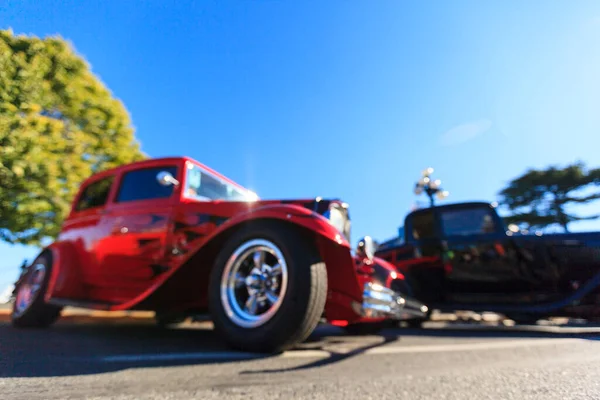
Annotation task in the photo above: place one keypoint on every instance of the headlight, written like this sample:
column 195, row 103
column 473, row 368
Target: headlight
column 366, row 247
column 338, row 216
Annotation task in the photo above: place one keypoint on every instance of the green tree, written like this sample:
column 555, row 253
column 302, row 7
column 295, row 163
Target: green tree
column 539, row 198
column 58, row 125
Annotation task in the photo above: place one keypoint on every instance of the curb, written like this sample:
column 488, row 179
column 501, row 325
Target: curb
column 121, row 317
column 77, row 315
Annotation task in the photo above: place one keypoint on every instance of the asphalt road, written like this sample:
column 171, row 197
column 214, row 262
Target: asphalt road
column 440, row 362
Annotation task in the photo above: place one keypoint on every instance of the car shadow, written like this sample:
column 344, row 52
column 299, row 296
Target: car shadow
column 333, row 357
column 482, row 330
column 66, row 350
column 72, row 349
column 330, row 336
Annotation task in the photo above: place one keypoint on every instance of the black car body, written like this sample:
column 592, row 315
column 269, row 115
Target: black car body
column 462, row 257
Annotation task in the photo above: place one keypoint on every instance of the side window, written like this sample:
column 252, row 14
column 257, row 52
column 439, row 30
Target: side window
column 142, row 185
column 95, row 194
column 423, row 225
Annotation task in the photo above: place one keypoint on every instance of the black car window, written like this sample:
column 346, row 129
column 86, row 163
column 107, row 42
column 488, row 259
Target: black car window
column 142, row 185
column 423, row 225
column 472, row 221
column 95, row 194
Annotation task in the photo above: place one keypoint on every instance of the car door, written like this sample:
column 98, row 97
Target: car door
column 138, row 222
column 483, row 264
column 83, row 230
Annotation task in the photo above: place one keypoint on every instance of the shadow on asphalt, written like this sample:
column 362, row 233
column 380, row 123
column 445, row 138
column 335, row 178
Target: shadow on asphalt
column 67, row 350
column 476, row 330
column 334, row 356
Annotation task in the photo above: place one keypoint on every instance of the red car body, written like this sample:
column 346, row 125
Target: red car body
column 157, row 253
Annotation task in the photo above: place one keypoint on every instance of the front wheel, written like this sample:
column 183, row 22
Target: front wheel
column 29, row 309
column 267, row 288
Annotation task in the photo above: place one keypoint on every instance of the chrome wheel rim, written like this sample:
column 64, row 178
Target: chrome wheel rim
column 29, row 289
column 254, row 283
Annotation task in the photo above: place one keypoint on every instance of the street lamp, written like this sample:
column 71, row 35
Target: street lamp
column 430, row 187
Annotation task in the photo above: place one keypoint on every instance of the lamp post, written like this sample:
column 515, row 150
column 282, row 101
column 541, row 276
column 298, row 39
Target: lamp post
column 431, row 187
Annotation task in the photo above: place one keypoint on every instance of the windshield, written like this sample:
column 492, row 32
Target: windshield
column 470, row 221
column 202, row 186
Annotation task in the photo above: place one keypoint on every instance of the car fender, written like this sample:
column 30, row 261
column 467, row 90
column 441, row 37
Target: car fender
column 292, row 213
column 65, row 278
column 385, row 272
column 331, row 244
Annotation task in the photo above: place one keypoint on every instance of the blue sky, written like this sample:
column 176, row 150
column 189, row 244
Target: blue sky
column 346, row 99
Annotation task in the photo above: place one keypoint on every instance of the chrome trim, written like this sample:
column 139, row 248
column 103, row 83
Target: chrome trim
column 382, row 302
column 164, row 178
column 366, row 247
column 344, row 230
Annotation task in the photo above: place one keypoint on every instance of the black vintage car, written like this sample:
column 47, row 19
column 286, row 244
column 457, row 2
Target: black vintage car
column 463, row 257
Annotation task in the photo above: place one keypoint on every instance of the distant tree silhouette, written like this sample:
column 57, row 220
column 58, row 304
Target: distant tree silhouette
column 538, row 198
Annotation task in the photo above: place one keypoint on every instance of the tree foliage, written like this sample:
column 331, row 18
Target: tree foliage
column 58, row 125
column 539, row 198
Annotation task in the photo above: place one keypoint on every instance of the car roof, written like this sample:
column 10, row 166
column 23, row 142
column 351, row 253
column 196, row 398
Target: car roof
column 118, row 169
column 452, row 206
column 156, row 161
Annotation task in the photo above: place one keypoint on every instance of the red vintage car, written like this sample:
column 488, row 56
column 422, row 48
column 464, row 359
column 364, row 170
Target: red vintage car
column 173, row 236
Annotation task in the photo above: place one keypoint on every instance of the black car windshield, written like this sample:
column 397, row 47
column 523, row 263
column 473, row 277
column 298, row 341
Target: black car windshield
column 203, row 186
column 471, row 221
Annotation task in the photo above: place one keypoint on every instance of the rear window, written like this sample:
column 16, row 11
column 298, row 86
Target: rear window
column 142, row 184
column 95, row 194
column 472, row 221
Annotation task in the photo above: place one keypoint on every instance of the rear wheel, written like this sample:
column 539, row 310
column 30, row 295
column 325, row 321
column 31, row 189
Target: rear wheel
column 29, row 309
column 268, row 288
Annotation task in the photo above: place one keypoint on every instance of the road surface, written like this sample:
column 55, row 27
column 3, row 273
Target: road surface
column 71, row 361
